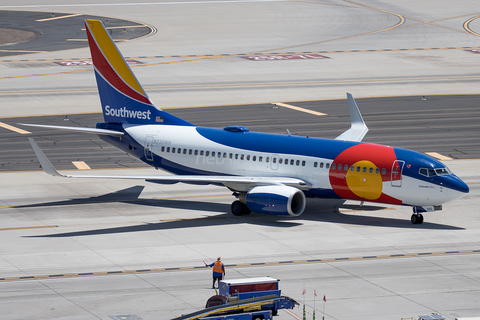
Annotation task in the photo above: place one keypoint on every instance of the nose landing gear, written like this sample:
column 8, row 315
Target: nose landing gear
column 417, row 218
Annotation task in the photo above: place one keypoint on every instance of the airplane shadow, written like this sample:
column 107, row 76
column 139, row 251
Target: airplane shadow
column 324, row 211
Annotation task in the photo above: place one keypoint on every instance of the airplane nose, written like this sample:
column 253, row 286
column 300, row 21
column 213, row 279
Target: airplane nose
column 456, row 187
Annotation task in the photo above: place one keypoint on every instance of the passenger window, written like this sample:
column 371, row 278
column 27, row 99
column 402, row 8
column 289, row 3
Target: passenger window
column 346, row 168
column 213, row 153
column 254, row 158
column 327, row 166
column 292, row 161
column 196, row 152
column 358, row 169
column 260, row 159
column 364, row 169
column 321, row 164
column 339, row 167
column 384, row 171
column 286, row 161
column 163, row 149
column 352, row 168
column 315, row 164
column 334, row 166
column 370, row 170
column 248, row 157
column 184, row 151
column 267, row 160
column 274, row 160
column 303, row 163
column 190, row 151
column 242, row 157
column 224, row 154
column 207, row 153
column 173, row 150
column 377, row 171
column 236, row 155
column 168, row 149
column 297, row 162
column 280, row 160
column 201, row 152
column 230, row 155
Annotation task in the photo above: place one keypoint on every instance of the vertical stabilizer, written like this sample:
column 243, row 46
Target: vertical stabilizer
column 123, row 98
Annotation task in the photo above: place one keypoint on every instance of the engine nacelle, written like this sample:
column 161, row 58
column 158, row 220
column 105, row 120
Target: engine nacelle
column 277, row 200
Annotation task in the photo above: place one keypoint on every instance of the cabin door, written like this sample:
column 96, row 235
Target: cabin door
column 148, row 148
column 397, row 169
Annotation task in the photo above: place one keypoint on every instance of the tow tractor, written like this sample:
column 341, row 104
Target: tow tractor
column 244, row 299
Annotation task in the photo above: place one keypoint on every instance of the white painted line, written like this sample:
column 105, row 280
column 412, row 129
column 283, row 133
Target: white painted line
column 299, row 109
column 438, row 156
column 62, row 17
column 9, row 127
column 81, row 165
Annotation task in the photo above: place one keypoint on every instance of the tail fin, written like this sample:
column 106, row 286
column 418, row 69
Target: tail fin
column 123, row 98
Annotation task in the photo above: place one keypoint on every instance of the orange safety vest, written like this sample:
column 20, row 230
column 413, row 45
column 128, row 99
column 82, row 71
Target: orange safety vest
column 217, row 267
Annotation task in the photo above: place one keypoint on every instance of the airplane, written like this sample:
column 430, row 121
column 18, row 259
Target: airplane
column 267, row 173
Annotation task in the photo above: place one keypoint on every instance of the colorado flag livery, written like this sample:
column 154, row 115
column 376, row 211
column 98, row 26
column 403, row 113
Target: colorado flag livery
column 267, row 173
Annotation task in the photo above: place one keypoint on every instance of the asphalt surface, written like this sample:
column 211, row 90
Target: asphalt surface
column 63, row 31
column 444, row 124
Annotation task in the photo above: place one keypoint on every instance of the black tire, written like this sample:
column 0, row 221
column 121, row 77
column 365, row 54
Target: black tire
column 414, row 219
column 237, row 208
column 419, row 218
column 274, row 312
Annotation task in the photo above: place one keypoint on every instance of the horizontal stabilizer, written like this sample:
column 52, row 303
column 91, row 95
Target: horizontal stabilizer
column 358, row 129
column 78, row 129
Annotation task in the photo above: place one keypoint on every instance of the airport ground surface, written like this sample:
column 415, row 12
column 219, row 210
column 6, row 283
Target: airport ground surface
column 82, row 249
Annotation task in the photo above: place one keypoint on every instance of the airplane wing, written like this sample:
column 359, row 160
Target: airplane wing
column 358, row 128
column 225, row 180
column 79, row 129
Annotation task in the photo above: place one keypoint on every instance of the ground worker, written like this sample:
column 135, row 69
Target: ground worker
column 218, row 271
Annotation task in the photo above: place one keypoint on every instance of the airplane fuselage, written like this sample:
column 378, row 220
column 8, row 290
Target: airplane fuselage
column 334, row 168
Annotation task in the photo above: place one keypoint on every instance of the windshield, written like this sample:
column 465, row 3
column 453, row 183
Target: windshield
column 434, row 172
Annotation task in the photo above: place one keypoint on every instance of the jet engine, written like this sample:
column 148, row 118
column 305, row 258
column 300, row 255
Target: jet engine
column 277, row 200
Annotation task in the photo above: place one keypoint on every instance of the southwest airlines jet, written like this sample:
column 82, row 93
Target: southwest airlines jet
column 267, row 173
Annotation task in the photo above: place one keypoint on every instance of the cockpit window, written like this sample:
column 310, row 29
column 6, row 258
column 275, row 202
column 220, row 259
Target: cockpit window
column 434, row 172
column 442, row 171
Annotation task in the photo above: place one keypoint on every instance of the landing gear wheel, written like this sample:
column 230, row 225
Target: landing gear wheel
column 237, row 208
column 417, row 218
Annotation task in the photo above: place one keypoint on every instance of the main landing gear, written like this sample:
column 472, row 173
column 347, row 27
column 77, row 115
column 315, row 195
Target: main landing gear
column 239, row 208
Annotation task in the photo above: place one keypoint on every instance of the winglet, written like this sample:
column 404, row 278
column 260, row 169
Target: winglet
column 44, row 162
column 358, row 128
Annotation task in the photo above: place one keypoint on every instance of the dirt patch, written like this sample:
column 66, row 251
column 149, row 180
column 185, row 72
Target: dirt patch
column 9, row 36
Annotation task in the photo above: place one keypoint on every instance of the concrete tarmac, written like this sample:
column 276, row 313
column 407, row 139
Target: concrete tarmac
column 82, row 249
